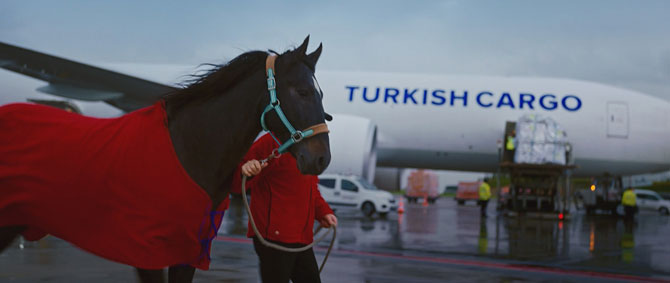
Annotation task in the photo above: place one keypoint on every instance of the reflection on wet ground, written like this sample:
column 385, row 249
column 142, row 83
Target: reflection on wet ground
column 586, row 243
column 441, row 242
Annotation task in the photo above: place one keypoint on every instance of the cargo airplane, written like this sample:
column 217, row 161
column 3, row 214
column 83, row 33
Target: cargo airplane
column 412, row 120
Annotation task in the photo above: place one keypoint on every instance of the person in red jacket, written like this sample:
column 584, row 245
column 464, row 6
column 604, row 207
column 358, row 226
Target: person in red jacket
column 284, row 204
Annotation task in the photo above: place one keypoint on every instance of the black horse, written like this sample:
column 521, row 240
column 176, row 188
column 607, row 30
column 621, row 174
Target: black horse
column 213, row 121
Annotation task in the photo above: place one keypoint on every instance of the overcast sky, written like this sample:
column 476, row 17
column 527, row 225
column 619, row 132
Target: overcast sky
column 624, row 43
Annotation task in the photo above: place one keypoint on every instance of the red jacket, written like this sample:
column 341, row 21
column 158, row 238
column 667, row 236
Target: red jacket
column 284, row 202
column 113, row 187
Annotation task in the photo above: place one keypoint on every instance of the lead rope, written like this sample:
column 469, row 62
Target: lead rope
column 273, row 155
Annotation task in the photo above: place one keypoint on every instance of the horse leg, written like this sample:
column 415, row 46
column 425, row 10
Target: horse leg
column 150, row 275
column 180, row 273
column 8, row 234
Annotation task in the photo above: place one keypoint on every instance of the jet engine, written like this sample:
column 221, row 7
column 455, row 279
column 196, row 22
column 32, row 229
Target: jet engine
column 353, row 146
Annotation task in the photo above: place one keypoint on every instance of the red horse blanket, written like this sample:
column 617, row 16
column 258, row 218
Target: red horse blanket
column 113, row 187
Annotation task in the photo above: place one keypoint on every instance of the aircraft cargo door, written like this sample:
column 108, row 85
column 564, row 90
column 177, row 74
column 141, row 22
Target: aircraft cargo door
column 617, row 120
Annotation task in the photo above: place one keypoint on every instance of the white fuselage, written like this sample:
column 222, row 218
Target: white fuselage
column 455, row 122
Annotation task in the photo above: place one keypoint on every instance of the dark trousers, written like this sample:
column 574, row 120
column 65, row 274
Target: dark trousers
column 280, row 266
column 508, row 155
column 483, row 204
column 630, row 212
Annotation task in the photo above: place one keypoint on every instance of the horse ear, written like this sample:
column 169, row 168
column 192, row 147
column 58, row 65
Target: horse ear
column 302, row 49
column 314, row 56
column 298, row 54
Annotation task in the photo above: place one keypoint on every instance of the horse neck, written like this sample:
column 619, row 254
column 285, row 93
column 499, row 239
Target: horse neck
column 211, row 137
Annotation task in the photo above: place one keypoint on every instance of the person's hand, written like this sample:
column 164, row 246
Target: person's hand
column 328, row 220
column 253, row 167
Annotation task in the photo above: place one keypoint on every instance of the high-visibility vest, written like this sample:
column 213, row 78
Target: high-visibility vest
column 629, row 198
column 510, row 143
column 484, row 191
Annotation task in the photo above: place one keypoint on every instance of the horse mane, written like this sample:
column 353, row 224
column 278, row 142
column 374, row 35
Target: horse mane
column 217, row 79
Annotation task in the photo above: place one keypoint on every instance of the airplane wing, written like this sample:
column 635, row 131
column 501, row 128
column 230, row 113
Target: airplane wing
column 76, row 80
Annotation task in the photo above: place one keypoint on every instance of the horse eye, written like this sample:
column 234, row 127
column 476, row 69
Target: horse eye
column 304, row 92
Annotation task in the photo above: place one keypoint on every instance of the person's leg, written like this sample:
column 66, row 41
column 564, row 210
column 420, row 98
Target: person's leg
column 484, row 204
column 305, row 269
column 508, row 156
column 275, row 265
column 630, row 211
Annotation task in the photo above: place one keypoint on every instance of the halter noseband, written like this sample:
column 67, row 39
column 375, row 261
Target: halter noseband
column 296, row 135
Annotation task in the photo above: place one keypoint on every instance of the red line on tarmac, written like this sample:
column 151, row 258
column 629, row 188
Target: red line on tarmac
column 506, row 266
column 233, row 239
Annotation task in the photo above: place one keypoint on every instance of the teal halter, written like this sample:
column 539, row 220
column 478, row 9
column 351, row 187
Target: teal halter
column 296, row 135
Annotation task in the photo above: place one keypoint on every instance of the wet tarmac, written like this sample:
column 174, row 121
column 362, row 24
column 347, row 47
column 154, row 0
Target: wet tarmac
column 443, row 242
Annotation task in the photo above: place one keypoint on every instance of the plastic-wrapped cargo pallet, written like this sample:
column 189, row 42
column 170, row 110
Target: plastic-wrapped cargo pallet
column 540, row 140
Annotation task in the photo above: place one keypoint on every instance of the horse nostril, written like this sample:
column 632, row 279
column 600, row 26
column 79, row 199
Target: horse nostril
column 322, row 162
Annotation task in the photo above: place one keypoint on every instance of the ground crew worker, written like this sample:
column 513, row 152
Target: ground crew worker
column 284, row 204
column 629, row 202
column 510, row 140
column 484, row 196
column 510, row 146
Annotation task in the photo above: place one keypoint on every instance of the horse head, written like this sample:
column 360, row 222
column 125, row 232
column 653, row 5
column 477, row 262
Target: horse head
column 301, row 102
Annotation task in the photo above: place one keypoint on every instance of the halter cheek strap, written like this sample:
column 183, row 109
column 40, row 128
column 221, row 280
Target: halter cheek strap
column 296, row 135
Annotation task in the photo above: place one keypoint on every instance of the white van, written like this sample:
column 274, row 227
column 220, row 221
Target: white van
column 650, row 200
column 350, row 191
